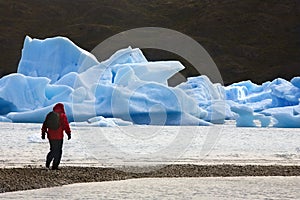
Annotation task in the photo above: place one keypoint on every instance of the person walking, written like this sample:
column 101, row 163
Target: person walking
column 55, row 135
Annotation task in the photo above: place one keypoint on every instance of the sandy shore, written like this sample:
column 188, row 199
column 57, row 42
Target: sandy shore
column 14, row 179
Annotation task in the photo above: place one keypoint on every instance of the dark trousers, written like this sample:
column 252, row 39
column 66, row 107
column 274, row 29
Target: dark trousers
column 55, row 153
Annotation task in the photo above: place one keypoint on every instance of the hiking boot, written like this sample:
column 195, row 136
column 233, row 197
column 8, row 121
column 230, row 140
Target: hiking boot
column 47, row 164
column 55, row 168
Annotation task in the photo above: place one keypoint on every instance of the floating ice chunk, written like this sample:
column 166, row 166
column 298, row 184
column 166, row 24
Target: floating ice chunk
column 265, row 121
column 83, row 124
column 285, row 117
column 247, row 116
column 100, row 121
column 284, row 93
column 276, row 99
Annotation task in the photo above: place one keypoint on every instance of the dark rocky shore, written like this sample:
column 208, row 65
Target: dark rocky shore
column 14, row 179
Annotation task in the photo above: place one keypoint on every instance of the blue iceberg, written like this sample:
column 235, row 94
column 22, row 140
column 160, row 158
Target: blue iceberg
column 273, row 103
column 128, row 89
column 125, row 86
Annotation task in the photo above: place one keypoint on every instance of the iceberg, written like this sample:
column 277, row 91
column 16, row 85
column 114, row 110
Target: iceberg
column 246, row 117
column 100, row 121
column 53, row 58
column 126, row 86
column 210, row 97
column 128, row 89
column 276, row 101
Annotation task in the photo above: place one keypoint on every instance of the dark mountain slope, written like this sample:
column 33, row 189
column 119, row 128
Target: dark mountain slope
column 249, row 39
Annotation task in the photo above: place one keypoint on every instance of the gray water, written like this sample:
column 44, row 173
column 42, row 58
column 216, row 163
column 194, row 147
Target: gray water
column 150, row 145
column 172, row 188
column 145, row 145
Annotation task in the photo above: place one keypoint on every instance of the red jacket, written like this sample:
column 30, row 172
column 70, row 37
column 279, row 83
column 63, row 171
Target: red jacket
column 64, row 124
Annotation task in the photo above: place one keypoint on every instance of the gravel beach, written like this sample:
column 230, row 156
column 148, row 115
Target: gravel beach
column 26, row 178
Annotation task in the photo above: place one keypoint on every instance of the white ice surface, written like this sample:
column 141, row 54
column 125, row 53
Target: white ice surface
column 172, row 188
column 146, row 145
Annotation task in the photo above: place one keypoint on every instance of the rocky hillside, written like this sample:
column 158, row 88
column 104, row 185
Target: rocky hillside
column 249, row 39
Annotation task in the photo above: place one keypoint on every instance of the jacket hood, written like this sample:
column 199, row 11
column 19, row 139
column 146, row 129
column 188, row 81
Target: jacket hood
column 59, row 108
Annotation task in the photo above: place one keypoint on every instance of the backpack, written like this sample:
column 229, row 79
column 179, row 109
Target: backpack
column 52, row 120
